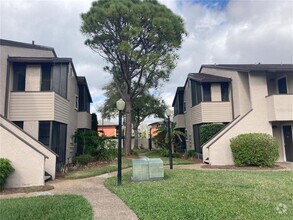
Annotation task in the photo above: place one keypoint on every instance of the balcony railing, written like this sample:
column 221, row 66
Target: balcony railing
column 280, row 107
column 211, row 112
column 39, row 106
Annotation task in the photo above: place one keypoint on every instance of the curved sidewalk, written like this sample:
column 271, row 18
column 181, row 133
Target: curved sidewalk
column 105, row 204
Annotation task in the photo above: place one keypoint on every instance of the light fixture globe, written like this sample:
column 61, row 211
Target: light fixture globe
column 168, row 112
column 120, row 104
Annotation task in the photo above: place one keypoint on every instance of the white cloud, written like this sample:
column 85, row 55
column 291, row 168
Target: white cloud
column 242, row 32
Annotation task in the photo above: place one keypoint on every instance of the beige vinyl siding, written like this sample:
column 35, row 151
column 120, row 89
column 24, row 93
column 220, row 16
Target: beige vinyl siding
column 31, row 106
column 38, row 106
column 280, row 107
column 210, row 112
column 196, row 114
column 61, row 109
column 216, row 112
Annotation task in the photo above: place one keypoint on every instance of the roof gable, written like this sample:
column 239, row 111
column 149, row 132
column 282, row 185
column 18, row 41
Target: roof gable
column 26, row 45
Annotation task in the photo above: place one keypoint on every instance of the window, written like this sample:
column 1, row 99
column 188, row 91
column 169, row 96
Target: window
column 53, row 134
column 196, row 96
column 84, row 99
column 19, row 77
column 46, row 77
column 225, row 91
column 282, row 85
column 76, row 102
column 18, row 124
column 178, row 105
column 206, row 92
column 44, row 132
column 184, row 106
column 59, row 79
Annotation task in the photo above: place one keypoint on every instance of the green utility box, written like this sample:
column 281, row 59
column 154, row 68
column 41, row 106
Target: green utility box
column 147, row 169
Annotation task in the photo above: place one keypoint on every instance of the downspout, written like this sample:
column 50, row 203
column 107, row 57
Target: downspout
column 7, row 89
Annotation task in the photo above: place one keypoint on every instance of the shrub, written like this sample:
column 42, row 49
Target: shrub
column 164, row 152
column 107, row 151
column 5, row 170
column 255, row 149
column 176, row 155
column 190, row 153
column 207, row 131
column 134, row 152
column 82, row 159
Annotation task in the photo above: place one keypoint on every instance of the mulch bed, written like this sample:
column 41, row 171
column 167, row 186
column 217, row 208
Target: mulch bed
column 27, row 189
column 233, row 167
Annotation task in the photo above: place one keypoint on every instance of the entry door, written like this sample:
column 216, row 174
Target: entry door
column 288, row 142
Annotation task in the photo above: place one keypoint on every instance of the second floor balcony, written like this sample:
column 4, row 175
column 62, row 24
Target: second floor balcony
column 280, row 107
column 179, row 120
column 39, row 106
column 211, row 112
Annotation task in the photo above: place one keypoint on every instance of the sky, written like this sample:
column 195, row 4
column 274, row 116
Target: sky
column 219, row 32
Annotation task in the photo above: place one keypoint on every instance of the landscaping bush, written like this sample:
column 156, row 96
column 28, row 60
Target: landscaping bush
column 255, row 149
column 207, row 131
column 5, row 170
column 176, row 155
column 107, row 151
column 83, row 159
column 164, row 152
column 190, row 153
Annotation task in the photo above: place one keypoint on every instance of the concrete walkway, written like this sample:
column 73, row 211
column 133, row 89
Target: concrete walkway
column 105, row 204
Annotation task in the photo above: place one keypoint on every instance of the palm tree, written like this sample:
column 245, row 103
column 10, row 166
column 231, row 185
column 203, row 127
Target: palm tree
column 162, row 135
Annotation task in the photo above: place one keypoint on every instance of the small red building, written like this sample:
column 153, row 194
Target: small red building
column 107, row 128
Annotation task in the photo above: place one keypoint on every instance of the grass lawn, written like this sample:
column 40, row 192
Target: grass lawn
column 197, row 194
column 126, row 163
column 46, row 207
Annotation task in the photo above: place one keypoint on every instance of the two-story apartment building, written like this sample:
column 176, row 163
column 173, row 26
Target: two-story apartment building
column 43, row 103
column 247, row 98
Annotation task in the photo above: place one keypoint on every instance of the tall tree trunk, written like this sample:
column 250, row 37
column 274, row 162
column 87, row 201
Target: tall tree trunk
column 128, row 104
column 135, row 130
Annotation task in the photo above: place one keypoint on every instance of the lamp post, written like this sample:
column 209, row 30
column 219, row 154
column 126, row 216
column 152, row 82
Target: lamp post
column 150, row 140
column 120, row 104
column 168, row 113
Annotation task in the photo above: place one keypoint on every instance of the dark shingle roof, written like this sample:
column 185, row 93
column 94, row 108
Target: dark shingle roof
column 26, row 45
column 202, row 77
column 179, row 90
column 39, row 59
column 253, row 67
